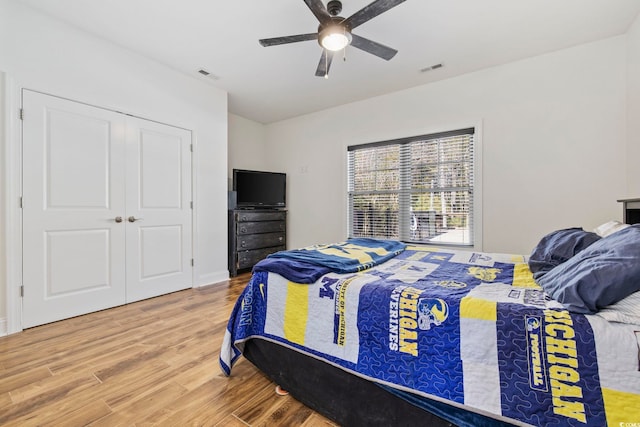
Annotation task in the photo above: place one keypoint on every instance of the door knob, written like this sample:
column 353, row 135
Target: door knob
column 133, row 219
column 118, row 219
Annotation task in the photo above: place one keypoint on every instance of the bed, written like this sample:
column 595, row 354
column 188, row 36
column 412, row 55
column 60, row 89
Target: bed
column 376, row 332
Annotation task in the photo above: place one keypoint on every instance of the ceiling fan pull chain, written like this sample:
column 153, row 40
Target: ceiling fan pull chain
column 326, row 65
column 344, row 49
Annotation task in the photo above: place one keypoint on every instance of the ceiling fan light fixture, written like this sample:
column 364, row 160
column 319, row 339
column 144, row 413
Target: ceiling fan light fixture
column 335, row 38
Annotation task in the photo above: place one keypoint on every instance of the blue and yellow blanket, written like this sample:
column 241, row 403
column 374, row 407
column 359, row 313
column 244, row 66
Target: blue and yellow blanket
column 469, row 329
column 308, row 264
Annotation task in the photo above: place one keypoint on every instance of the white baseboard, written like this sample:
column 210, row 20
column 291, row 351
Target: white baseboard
column 3, row 327
column 211, row 278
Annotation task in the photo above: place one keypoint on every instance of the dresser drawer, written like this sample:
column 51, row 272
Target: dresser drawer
column 249, row 216
column 248, row 259
column 260, row 227
column 256, row 241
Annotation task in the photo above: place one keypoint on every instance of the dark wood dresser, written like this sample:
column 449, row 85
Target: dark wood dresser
column 254, row 234
column 630, row 210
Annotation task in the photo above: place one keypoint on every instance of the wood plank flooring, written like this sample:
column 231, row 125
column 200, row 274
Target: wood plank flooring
column 153, row 362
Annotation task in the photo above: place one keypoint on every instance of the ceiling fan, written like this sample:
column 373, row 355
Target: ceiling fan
column 334, row 32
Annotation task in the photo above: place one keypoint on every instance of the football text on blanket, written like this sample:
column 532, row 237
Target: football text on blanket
column 469, row 329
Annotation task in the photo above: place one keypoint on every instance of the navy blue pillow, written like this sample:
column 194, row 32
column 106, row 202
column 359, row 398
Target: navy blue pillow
column 601, row 275
column 558, row 247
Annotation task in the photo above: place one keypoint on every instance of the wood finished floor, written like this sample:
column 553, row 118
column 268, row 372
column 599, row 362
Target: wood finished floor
column 153, row 362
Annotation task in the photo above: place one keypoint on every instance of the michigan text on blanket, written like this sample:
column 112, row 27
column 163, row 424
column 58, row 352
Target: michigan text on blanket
column 563, row 365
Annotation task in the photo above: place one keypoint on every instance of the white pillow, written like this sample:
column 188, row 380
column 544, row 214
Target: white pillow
column 626, row 310
column 608, row 228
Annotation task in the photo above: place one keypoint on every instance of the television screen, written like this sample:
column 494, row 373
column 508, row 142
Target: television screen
column 255, row 189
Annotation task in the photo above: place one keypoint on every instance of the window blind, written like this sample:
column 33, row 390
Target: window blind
column 417, row 189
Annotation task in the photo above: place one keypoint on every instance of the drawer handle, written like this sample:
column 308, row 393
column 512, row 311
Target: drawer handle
column 243, row 229
column 280, row 239
column 243, row 244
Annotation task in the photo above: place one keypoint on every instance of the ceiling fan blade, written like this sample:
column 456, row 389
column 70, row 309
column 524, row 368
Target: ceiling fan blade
column 325, row 63
column 318, row 9
column 370, row 12
column 288, row 39
column 372, row 47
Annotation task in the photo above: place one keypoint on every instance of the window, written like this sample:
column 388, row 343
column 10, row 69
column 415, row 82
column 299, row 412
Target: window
column 417, row 189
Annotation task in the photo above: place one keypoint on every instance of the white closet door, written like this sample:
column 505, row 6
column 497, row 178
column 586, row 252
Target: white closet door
column 73, row 192
column 158, row 209
column 106, row 209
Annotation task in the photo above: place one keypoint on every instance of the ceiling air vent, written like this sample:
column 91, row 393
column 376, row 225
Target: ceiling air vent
column 433, row 67
column 207, row 74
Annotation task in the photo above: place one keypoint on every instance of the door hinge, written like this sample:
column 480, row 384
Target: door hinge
column 191, row 147
column 21, row 114
column 192, row 204
column 192, row 263
column 22, row 290
column 20, row 202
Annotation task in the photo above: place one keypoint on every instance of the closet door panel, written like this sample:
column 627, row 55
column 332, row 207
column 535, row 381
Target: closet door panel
column 73, row 191
column 158, row 209
column 160, row 251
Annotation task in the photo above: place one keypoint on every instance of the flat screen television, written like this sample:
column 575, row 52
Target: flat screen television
column 256, row 189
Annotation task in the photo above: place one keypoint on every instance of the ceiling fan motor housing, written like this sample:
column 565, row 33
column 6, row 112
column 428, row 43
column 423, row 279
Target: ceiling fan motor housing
column 334, row 7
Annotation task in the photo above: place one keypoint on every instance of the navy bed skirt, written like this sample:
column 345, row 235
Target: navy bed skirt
column 350, row 400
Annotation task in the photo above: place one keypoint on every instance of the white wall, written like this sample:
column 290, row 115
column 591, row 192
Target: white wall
column 42, row 54
column 553, row 134
column 247, row 148
column 633, row 109
column 3, row 302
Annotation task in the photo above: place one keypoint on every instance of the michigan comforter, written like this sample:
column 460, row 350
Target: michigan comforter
column 469, row 329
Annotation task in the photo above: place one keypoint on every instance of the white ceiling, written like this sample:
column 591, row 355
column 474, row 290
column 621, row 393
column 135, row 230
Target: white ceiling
column 268, row 84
